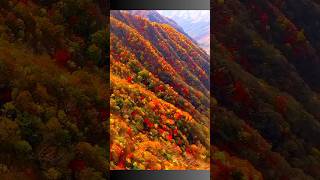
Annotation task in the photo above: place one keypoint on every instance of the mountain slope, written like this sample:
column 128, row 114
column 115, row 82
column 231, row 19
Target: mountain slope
column 199, row 35
column 53, row 90
column 154, row 16
column 159, row 89
column 196, row 25
column 266, row 74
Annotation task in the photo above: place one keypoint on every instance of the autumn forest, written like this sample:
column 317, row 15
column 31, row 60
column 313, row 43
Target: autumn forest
column 85, row 90
column 159, row 101
column 266, row 122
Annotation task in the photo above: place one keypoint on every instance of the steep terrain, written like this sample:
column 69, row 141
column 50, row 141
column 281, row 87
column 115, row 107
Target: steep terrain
column 54, row 104
column 154, row 16
column 266, row 84
column 159, row 96
column 194, row 22
column 53, row 90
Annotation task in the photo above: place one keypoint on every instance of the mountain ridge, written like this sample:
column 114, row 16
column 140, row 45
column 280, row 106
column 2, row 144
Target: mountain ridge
column 159, row 67
column 265, row 74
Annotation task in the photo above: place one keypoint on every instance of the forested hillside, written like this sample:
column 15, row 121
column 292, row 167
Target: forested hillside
column 159, row 96
column 54, row 99
column 53, row 90
column 195, row 23
column 266, row 81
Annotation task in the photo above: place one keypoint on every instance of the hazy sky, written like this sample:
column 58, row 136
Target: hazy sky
column 193, row 15
column 194, row 22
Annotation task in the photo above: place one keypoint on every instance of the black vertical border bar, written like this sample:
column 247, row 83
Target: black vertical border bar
column 158, row 5
column 211, row 82
column 106, row 11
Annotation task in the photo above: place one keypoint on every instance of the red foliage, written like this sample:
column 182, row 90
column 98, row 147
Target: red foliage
column 188, row 151
column 133, row 113
column 24, row 1
column 185, row 91
column 219, row 78
column 198, row 94
column 50, row 12
column 281, row 104
column 159, row 88
column 148, row 123
column 164, row 127
column 175, row 132
column 129, row 79
column 169, row 137
column 224, row 171
column 177, row 115
column 77, row 165
column 130, row 155
column 62, row 56
column 121, row 163
column 129, row 131
column 240, row 93
column 161, row 131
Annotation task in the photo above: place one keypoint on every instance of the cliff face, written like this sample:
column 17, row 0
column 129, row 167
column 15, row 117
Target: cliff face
column 266, row 83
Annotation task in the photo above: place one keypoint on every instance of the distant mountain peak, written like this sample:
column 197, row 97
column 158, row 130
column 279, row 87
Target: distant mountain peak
column 155, row 16
column 196, row 23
